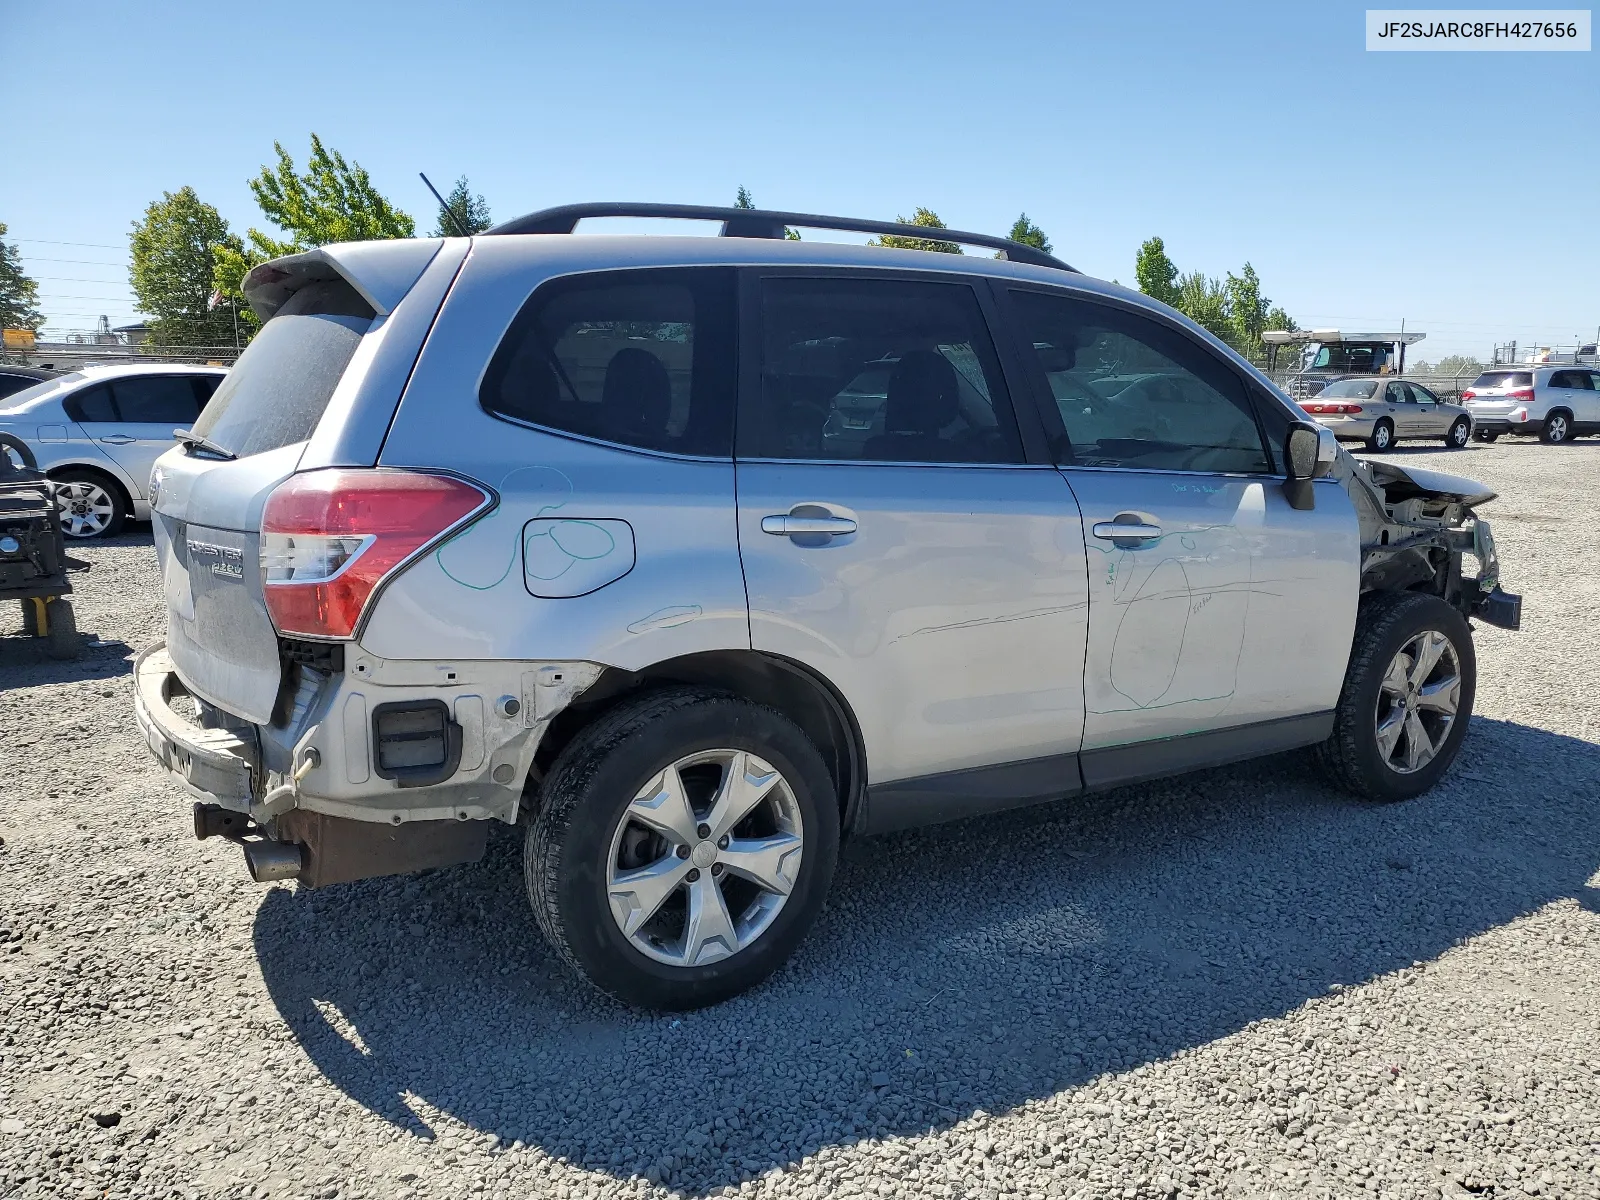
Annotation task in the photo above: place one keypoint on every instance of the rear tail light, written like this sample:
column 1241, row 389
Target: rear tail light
column 1467, row 395
column 1331, row 408
column 330, row 538
column 1525, row 395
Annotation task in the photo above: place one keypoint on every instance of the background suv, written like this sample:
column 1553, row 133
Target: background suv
column 98, row 432
column 1556, row 403
column 695, row 555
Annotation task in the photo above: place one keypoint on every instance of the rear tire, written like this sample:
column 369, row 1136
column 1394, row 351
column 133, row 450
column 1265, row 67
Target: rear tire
column 1557, row 428
column 1460, row 433
column 604, row 822
column 1382, row 437
column 1485, row 435
column 90, row 503
column 1394, row 734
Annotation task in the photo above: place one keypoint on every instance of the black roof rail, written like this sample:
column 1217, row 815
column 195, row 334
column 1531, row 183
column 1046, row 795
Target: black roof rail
column 766, row 223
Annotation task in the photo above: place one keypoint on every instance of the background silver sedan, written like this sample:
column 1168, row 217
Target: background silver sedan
column 1381, row 411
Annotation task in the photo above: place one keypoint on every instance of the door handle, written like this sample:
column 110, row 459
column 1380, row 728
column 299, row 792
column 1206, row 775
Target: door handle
column 118, row 439
column 1117, row 531
column 788, row 525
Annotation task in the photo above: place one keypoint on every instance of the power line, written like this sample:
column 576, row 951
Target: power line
column 85, row 245
column 82, row 262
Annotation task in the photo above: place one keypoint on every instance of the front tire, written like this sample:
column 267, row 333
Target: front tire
column 1557, row 428
column 1382, row 437
column 91, row 506
column 1407, row 697
column 683, row 846
column 1460, row 434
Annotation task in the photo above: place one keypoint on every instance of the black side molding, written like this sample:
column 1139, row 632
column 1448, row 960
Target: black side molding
column 1114, row 766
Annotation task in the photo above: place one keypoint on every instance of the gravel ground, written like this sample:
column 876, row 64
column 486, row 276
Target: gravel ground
column 1237, row 984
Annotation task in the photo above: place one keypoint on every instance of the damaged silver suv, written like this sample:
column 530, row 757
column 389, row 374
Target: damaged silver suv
column 693, row 555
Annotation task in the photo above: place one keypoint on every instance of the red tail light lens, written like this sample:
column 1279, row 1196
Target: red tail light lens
column 1467, row 395
column 1344, row 410
column 1525, row 395
column 329, row 538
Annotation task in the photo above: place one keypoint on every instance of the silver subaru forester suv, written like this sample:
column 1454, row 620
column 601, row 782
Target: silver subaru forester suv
column 694, row 555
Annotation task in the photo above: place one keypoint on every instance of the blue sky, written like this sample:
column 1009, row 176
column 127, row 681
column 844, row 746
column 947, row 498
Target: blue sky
column 1458, row 191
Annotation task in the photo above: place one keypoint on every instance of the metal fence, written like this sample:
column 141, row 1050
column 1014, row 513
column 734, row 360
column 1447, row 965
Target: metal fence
column 70, row 356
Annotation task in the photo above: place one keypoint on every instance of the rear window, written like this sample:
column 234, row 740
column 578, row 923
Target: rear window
column 1353, row 389
column 1504, row 379
column 643, row 358
column 278, row 390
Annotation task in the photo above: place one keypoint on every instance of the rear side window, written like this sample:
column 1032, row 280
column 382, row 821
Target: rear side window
column 878, row 370
column 1504, row 379
column 1135, row 393
column 642, row 358
column 156, row 399
column 91, row 406
column 278, row 390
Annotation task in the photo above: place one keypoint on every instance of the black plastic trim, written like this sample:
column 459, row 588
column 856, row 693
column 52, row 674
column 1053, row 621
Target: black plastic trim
column 952, row 795
column 1114, row 766
column 418, row 776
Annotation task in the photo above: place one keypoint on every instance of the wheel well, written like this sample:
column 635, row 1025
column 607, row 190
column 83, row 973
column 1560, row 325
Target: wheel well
column 794, row 690
column 99, row 473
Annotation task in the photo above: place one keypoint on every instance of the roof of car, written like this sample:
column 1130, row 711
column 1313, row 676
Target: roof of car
column 111, row 370
column 28, row 372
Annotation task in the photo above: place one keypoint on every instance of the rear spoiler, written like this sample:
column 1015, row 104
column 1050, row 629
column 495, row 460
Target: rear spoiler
column 382, row 272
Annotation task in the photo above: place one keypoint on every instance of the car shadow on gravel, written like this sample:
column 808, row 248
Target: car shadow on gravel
column 24, row 662
column 972, row 966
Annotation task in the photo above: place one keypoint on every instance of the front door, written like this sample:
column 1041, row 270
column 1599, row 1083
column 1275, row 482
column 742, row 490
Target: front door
column 894, row 539
column 1213, row 605
column 1432, row 420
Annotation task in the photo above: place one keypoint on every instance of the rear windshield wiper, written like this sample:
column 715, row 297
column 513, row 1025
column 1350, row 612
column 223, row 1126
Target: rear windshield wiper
column 193, row 441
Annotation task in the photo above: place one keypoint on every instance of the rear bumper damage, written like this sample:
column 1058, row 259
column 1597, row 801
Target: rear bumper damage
column 381, row 768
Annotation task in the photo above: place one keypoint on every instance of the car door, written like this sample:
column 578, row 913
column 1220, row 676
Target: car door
column 1397, row 398
column 896, row 541
column 1577, row 395
column 148, row 409
column 1590, row 399
column 1219, row 616
column 1432, row 418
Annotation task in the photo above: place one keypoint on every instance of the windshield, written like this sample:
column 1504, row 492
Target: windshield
column 1355, row 389
column 20, row 400
column 1504, row 379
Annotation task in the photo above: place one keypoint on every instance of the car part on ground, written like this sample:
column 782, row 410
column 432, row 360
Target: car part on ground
column 395, row 614
column 33, row 560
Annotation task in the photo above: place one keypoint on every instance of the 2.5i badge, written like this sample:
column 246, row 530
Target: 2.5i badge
column 226, row 561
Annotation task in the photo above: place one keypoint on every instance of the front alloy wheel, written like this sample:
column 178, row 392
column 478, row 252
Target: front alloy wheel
column 1417, row 702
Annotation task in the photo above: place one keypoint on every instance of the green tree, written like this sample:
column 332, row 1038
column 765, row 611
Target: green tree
column 19, row 295
column 1204, row 301
column 1155, row 273
column 1278, row 319
column 1248, row 312
column 174, row 252
column 470, row 213
column 743, row 200
column 927, row 218
column 334, row 201
column 1450, row 364
column 1029, row 234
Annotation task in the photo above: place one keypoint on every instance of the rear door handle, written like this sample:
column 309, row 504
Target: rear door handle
column 1116, row 531
column 788, row 525
column 118, row 439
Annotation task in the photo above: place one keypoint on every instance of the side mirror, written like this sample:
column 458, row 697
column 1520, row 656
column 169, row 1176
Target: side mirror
column 1300, row 452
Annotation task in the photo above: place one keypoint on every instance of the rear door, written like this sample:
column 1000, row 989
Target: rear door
column 1402, row 410
column 148, row 409
column 896, row 540
column 1213, row 606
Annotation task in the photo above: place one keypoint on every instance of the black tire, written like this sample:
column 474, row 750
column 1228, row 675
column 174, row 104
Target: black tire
column 585, row 797
column 1557, row 429
column 1384, row 626
column 1382, row 438
column 17, row 450
column 1460, row 434
column 1485, row 435
column 87, row 477
column 63, row 641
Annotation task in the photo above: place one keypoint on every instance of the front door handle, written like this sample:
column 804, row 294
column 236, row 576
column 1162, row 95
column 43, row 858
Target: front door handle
column 1117, row 531
column 789, row 525
column 118, row 439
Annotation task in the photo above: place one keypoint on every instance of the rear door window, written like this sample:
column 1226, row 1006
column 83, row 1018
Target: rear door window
column 92, row 406
column 878, row 370
column 155, row 399
column 641, row 358
column 1133, row 392
column 278, row 390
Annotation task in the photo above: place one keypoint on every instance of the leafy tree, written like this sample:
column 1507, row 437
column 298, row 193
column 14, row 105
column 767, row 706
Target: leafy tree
column 174, row 252
column 19, row 295
column 927, row 218
column 471, row 212
column 1278, row 319
column 1249, row 312
column 334, row 201
column 1204, row 301
column 1029, row 234
column 743, row 200
column 1155, row 273
column 1458, row 364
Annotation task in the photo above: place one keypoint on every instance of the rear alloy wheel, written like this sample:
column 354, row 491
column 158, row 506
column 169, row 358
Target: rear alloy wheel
column 683, row 846
column 1382, row 437
column 90, row 506
column 1406, row 700
column 1460, row 434
column 1557, row 428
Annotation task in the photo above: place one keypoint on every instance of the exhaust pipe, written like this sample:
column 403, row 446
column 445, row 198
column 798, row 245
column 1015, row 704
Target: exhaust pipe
column 270, row 861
